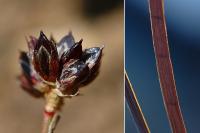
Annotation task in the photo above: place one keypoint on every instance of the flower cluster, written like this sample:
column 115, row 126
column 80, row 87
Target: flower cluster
column 63, row 67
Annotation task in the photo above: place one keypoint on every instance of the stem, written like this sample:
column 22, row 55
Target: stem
column 51, row 116
column 47, row 122
column 164, row 66
column 54, row 123
column 135, row 107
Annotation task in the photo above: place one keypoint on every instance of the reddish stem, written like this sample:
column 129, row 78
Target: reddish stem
column 135, row 107
column 164, row 66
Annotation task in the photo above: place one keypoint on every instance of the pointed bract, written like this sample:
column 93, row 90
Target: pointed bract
column 45, row 59
column 31, row 41
column 92, row 57
column 65, row 43
column 28, row 79
column 27, row 86
column 74, row 52
column 73, row 74
column 25, row 63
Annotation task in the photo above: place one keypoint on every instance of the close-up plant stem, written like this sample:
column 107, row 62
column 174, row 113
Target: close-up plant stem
column 50, row 122
column 51, row 113
column 134, row 107
column 164, row 66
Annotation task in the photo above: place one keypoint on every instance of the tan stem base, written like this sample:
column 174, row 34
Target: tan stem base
column 50, row 122
column 51, row 116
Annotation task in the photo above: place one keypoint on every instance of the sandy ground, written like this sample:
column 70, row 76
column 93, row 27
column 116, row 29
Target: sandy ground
column 100, row 108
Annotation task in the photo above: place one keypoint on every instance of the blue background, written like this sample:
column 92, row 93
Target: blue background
column 183, row 25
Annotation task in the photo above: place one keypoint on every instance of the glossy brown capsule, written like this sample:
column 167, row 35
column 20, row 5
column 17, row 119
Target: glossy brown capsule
column 27, row 80
column 45, row 59
column 65, row 44
column 74, row 52
column 73, row 74
column 63, row 65
column 92, row 57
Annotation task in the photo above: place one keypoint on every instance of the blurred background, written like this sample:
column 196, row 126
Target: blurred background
column 100, row 107
column 183, row 21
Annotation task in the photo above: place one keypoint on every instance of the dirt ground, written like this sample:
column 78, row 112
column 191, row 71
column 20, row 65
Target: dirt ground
column 100, row 107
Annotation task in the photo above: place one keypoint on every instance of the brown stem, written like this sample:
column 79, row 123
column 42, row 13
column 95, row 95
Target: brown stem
column 135, row 107
column 164, row 66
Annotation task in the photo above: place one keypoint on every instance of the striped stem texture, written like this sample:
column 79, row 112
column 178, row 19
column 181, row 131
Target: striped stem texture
column 164, row 66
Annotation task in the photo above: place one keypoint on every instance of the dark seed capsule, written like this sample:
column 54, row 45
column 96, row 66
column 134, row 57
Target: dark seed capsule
column 92, row 57
column 65, row 43
column 73, row 74
column 74, row 52
column 43, row 56
column 45, row 59
column 25, row 64
column 27, row 86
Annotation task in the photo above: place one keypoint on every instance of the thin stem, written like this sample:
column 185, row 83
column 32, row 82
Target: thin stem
column 54, row 123
column 164, row 66
column 51, row 115
column 46, row 122
column 135, row 107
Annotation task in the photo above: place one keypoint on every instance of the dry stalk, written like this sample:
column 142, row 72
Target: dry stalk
column 164, row 66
